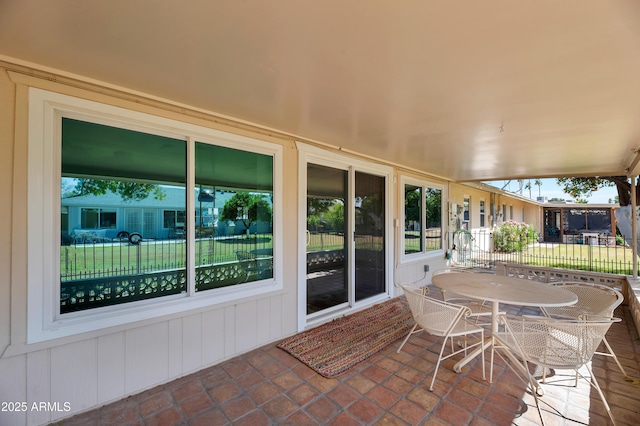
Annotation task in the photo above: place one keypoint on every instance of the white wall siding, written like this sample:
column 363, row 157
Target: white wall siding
column 263, row 328
column 111, row 371
column 38, row 385
column 191, row 343
column 276, row 328
column 75, row 363
column 229, row 341
column 212, row 336
column 246, row 326
column 147, row 358
column 175, row 348
column 12, row 373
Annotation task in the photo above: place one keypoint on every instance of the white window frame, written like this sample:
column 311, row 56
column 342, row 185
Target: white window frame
column 412, row 257
column 44, row 321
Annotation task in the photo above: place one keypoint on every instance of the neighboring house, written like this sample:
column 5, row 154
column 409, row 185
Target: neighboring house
column 580, row 223
column 163, row 217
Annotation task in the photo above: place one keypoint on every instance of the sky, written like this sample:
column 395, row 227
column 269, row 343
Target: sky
column 550, row 189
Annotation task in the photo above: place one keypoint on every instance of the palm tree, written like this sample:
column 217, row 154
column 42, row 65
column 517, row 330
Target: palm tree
column 538, row 183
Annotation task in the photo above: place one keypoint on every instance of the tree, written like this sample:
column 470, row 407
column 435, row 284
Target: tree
column 247, row 208
column 584, row 187
column 538, row 183
column 127, row 190
column 335, row 217
column 412, row 208
column 528, row 186
column 433, row 201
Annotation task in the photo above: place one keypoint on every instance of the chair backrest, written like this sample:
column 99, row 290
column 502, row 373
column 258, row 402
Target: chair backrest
column 435, row 316
column 556, row 343
column 594, row 300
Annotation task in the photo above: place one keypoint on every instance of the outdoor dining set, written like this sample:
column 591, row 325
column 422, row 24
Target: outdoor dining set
column 574, row 319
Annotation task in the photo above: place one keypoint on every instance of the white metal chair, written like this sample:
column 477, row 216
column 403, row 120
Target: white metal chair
column 550, row 343
column 442, row 319
column 479, row 308
column 594, row 300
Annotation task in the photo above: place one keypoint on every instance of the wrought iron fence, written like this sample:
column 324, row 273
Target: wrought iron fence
column 598, row 254
column 118, row 257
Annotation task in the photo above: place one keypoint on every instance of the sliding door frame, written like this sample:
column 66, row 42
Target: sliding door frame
column 315, row 155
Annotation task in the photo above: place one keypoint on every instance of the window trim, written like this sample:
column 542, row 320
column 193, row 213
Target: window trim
column 44, row 322
column 423, row 183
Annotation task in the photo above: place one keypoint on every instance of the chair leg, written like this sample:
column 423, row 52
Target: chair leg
column 413, row 330
column 484, row 375
column 435, row 372
column 595, row 384
column 613, row 355
column 493, row 348
column 534, row 392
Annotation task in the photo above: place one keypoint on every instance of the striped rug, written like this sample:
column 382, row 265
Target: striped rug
column 332, row 348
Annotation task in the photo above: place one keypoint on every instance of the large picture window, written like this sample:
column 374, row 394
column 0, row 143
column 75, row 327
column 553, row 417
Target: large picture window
column 422, row 218
column 120, row 169
column 122, row 246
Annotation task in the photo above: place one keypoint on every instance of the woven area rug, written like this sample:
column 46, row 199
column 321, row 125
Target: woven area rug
column 332, row 348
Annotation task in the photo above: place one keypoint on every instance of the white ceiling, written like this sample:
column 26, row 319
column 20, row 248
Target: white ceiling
column 467, row 90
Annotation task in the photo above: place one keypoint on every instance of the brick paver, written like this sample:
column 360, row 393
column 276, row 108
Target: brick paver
column 268, row 386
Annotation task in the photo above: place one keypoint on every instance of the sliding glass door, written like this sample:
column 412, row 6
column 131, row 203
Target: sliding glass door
column 327, row 247
column 369, row 235
column 346, row 237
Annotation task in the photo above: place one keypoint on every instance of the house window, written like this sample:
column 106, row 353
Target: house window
column 113, row 161
column 137, row 171
column 504, row 212
column 422, row 218
column 235, row 203
column 98, row 219
column 466, row 213
column 413, row 241
column 511, row 212
column 482, row 214
column 173, row 219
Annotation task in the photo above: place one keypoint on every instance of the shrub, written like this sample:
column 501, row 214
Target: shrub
column 511, row 237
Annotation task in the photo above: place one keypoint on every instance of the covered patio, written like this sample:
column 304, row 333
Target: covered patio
column 268, row 386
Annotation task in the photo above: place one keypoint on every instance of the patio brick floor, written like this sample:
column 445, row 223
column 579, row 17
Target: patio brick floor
column 268, row 386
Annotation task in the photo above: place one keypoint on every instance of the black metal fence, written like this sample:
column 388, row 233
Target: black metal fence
column 597, row 253
column 91, row 260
